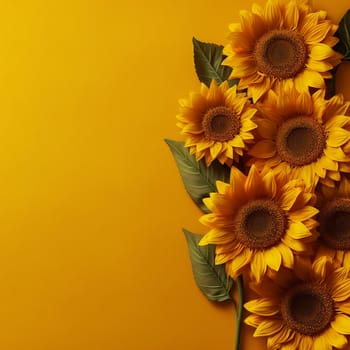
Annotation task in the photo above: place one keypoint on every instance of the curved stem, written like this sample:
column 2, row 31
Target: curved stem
column 239, row 313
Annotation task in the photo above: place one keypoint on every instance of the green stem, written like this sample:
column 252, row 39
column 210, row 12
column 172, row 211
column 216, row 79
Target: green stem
column 239, row 313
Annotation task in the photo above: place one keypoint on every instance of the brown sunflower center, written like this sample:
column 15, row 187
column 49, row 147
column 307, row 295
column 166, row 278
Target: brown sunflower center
column 260, row 224
column 221, row 124
column 334, row 219
column 307, row 308
column 300, row 141
column 281, row 53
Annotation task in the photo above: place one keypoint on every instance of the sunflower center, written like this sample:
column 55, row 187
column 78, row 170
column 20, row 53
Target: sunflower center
column 300, row 141
column 334, row 219
column 281, row 53
column 221, row 124
column 260, row 224
column 307, row 308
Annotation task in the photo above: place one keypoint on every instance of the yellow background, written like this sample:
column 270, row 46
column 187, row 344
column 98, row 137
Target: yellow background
column 92, row 256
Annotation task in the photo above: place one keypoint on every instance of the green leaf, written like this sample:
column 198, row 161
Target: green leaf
column 199, row 180
column 343, row 33
column 211, row 279
column 207, row 61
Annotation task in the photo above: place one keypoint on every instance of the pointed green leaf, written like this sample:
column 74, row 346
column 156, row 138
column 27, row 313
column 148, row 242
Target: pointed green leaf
column 207, row 61
column 211, row 279
column 199, row 180
column 343, row 33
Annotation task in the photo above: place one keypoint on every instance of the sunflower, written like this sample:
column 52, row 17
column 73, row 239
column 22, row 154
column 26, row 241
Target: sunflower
column 302, row 134
column 308, row 310
column 258, row 222
column 283, row 41
column 334, row 222
column 217, row 123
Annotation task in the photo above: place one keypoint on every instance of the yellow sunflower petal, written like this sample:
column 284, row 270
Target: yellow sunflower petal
column 302, row 214
column 215, row 149
column 270, row 184
column 319, row 169
column 340, row 292
column 273, row 258
column 328, row 164
column 219, row 203
column 346, row 261
column 268, row 327
column 321, row 342
column 308, row 174
column 263, row 306
column 317, row 33
column 294, row 244
column 337, row 137
column 291, row 16
column 258, row 266
column 344, row 307
column 288, row 198
column 306, row 343
column 240, row 262
column 309, row 78
column 237, row 142
column 334, row 175
column 338, row 121
column 216, row 236
column 283, row 336
column 320, row 51
column 319, row 268
column 253, row 320
column 222, row 187
column 204, row 144
column 336, row 154
column 287, row 255
column 272, row 12
column 248, row 125
column 298, row 230
column 293, row 344
column 258, row 90
column 334, row 338
column 341, row 324
column 319, row 66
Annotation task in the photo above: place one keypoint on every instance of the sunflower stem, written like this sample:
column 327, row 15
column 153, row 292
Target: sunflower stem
column 239, row 312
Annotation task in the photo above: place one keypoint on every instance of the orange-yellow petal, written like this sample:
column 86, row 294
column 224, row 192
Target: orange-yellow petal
column 273, row 258
column 268, row 327
column 341, row 324
column 263, row 306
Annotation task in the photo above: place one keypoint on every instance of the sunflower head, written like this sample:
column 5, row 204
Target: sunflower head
column 282, row 41
column 307, row 308
column 217, row 123
column 302, row 135
column 259, row 222
column 334, row 222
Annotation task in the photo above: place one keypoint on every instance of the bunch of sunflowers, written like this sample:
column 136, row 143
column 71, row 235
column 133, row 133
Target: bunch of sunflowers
column 267, row 158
